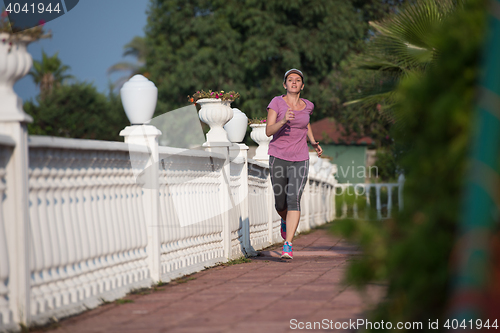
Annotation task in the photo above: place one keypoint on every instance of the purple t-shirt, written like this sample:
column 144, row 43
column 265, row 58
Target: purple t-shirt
column 290, row 142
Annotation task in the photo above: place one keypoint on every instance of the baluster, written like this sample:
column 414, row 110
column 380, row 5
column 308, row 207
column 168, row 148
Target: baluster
column 62, row 238
column 389, row 200
column 77, row 226
column 344, row 202
column 355, row 205
column 163, row 216
column 37, row 251
column 93, row 246
column 401, row 182
column 70, row 229
column 102, row 244
column 379, row 205
column 120, row 226
column 368, row 206
column 105, row 228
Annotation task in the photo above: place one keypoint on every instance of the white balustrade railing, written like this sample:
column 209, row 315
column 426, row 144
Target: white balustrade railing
column 349, row 197
column 93, row 229
column 191, row 226
column 87, row 225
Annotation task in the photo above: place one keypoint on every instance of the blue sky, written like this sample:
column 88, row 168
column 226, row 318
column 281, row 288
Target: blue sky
column 89, row 39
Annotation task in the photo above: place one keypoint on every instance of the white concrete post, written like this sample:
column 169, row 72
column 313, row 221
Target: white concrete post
column 15, row 63
column 270, row 207
column 147, row 136
column 17, row 219
column 222, row 148
column 139, row 97
column 240, row 151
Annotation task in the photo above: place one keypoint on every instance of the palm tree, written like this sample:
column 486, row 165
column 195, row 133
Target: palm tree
column 136, row 48
column 402, row 45
column 49, row 73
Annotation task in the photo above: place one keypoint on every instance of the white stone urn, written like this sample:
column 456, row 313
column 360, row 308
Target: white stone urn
column 258, row 135
column 236, row 128
column 15, row 62
column 139, row 96
column 215, row 113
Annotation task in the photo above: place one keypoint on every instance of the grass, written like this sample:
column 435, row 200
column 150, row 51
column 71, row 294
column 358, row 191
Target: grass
column 118, row 301
column 140, row 291
column 104, row 302
column 184, row 279
column 123, row 301
column 241, row 260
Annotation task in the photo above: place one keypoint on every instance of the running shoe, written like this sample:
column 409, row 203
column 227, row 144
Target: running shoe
column 287, row 251
column 283, row 229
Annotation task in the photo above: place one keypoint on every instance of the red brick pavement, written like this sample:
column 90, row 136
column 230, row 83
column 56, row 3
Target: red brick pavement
column 261, row 296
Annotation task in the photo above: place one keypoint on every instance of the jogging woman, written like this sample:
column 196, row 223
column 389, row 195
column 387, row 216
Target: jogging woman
column 288, row 122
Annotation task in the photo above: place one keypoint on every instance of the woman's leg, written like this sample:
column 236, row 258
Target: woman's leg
column 277, row 168
column 292, row 222
column 297, row 178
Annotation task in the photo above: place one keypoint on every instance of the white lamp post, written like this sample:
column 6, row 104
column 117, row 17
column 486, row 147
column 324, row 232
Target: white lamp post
column 139, row 96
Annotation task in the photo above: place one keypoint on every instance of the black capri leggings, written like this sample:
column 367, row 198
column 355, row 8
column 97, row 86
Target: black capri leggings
column 289, row 179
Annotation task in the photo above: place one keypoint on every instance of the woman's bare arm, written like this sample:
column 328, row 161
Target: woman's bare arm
column 310, row 134
column 272, row 126
column 315, row 144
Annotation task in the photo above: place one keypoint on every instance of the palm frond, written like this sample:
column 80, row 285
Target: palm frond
column 136, row 48
column 123, row 66
column 403, row 45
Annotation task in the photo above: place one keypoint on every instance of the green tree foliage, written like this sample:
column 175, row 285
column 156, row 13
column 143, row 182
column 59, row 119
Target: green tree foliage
column 363, row 118
column 49, row 73
column 77, row 111
column 248, row 45
column 413, row 251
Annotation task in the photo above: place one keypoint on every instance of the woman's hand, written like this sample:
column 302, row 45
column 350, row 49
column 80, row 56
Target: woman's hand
column 318, row 149
column 289, row 115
